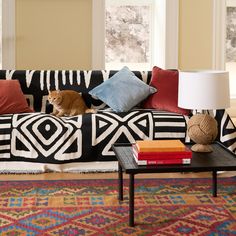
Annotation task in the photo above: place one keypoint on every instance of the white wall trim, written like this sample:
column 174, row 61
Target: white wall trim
column 159, row 47
column 166, row 36
column 98, row 35
column 219, row 27
column 8, row 34
column 172, row 34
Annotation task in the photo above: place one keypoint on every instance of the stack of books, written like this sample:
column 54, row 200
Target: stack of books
column 161, row 152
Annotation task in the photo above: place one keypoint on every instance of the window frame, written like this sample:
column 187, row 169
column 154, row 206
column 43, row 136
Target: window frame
column 166, row 35
column 219, row 40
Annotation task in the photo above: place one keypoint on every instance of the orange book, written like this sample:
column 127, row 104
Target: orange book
column 160, row 145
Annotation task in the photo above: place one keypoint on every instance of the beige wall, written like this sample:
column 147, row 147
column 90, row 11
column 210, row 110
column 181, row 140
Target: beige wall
column 57, row 34
column 53, row 34
column 195, row 34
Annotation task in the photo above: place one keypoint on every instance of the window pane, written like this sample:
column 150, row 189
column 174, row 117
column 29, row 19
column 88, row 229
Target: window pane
column 128, row 36
column 231, row 48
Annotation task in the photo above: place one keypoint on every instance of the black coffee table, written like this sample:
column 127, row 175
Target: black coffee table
column 221, row 159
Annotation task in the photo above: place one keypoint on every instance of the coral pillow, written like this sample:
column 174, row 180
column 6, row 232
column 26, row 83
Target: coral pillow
column 12, row 99
column 166, row 97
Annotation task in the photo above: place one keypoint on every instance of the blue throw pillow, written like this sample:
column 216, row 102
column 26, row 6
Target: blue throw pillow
column 122, row 91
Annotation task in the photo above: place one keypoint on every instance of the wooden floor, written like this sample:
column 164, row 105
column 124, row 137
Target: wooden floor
column 62, row 176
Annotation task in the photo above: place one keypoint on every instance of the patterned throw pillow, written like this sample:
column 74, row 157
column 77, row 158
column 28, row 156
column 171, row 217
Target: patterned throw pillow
column 166, row 82
column 122, row 91
column 12, row 99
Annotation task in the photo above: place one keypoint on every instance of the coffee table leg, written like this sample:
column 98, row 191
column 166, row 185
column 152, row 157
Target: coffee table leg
column 120, row 184
column 131, row 200
column 214, row 183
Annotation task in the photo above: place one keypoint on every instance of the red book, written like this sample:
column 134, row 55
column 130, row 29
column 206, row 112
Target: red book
column 162, row 155
column 162, row 161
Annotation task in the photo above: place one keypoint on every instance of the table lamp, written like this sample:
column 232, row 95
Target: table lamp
column 203, row 90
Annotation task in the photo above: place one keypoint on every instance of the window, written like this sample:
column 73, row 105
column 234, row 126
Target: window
column 224, row 30
column 223, row 48
column 136, row 33
column 128, row 34
column 230, row 58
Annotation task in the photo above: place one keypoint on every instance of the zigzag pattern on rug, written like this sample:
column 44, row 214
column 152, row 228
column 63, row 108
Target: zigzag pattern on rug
column 90, row 207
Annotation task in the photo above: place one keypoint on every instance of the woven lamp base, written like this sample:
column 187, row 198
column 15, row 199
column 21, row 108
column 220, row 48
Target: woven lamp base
column 202, row 129
column 201, row 148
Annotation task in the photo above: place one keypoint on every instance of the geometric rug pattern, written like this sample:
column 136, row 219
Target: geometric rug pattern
column 179, row 207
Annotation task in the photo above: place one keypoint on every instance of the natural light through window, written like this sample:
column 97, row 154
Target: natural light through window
column 135, row 33
column 128, row 34
column 231, row 45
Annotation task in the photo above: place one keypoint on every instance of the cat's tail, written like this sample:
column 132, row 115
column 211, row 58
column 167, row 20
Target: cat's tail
column 90, row 110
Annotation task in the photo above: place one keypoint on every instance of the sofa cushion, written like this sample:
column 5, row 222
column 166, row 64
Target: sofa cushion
column 12, row 99
column 166, row 82
column 122, row 91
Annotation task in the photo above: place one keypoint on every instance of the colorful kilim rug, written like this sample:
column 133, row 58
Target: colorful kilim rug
column 90, row 207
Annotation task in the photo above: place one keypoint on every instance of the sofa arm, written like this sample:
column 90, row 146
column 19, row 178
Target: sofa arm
column 226, row 130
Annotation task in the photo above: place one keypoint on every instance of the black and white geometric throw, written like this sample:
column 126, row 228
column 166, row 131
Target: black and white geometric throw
column 45, row 137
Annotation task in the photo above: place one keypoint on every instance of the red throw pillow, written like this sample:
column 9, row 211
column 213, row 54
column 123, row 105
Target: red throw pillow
column 166, row 97
column 12, row 99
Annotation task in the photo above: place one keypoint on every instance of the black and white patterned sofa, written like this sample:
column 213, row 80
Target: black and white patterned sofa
column 39, row 142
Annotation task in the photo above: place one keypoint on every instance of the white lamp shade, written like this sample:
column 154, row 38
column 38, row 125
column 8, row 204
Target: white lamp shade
column 203, row 89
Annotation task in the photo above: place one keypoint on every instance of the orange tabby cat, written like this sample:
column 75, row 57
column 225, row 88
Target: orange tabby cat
column 67, row 102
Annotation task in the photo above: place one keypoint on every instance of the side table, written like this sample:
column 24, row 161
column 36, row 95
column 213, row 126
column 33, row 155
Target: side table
column 221, row 159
